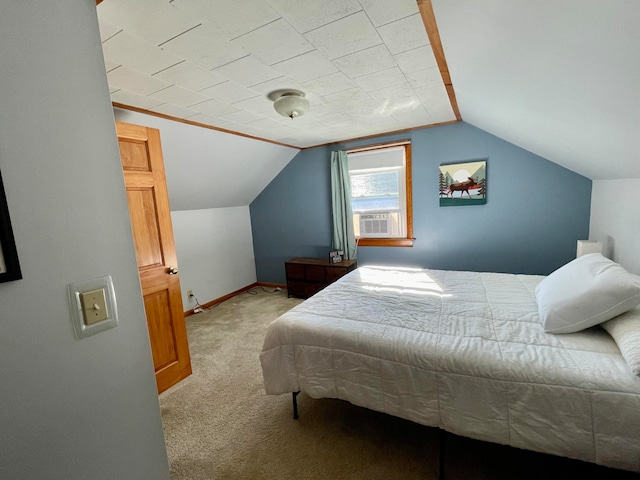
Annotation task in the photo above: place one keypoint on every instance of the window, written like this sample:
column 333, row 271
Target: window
column 381, row 194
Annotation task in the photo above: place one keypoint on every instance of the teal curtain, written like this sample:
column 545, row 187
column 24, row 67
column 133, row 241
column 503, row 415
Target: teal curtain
column 343, row 236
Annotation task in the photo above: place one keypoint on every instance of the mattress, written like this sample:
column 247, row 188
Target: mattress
column 463, row 351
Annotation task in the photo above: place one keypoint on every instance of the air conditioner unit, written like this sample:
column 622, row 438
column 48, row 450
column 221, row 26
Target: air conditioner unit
column 374, row 225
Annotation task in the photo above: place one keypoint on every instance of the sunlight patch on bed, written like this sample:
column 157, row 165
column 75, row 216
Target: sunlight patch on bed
column 434, row 292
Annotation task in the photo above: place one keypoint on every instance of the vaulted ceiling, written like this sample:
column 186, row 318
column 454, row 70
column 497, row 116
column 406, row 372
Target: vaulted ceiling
column 557, row 77
column 560, row 78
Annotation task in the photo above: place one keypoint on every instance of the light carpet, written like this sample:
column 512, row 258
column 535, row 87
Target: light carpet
column 220, row 425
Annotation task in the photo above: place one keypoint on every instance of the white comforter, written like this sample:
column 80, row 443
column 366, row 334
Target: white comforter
column 463, row 351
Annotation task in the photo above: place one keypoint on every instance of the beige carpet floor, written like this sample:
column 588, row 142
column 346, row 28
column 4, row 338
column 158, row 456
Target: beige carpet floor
column 220, row 425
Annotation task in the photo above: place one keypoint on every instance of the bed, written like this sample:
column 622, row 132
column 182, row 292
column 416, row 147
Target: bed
column 465, row 352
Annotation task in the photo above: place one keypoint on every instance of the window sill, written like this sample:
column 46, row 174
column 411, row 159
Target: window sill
column 385, row 242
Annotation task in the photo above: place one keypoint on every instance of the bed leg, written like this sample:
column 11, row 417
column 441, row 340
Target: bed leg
column 294, row 396
column 443, row 437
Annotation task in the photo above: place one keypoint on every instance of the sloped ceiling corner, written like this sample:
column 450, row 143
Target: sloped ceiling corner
column 558, row 78
column 212, row 169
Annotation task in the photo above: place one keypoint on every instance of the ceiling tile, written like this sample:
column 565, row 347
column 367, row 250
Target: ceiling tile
column 174, row 110
column 381, row 79
column 128, row 98
column 365, row 61
column 265, row 124
column 441, row 113
column 284, row 129
column 425, row 77
column 336, row 82
column 310, row 138
column 405, row 34
column 110, row 65
column 205, row 46
column 306, row 67
column 228, row 56
column 258, row 105
column 306, row 15
column 274, row 42
column 151, row 20
column 401, row 90
column 247, row 71
column 279, row 83
column 205, row 119
column 107, row 31
column 353, row 96
column 416, row 59
column 435, row 92
column 407, row 109
column 246, row 129
column 191, row 76
column 180, row 96
column 229, row 92
column 213, row 108
column 345, row 36
column 131, row 51
column 435, row 99
column 241, row 117
column 382, row 12
column 134, row 82
column 235, row 18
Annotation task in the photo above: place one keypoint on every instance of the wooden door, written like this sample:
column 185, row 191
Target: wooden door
column 143, row 166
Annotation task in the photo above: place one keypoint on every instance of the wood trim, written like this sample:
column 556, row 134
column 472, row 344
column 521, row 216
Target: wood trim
column 197, row 124
column 408, row 195
column 237, row 292
column 232, row 132
column 429, row 20
column 408, row 176
column 402, row 130
column 98, row 2
column 386, row 242
column 378, row 146
column 281, row 286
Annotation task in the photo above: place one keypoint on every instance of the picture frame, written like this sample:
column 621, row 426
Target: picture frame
column 463, row 183
column 9, row 264
column 336, row 256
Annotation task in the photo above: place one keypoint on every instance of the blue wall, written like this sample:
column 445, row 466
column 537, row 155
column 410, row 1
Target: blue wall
column 535, row 211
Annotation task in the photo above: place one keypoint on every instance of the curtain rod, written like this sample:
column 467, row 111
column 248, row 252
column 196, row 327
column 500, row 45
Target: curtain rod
column 378, row 146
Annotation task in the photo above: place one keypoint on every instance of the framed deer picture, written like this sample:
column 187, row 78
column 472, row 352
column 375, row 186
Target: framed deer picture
column 463, row 183
column 9, row 266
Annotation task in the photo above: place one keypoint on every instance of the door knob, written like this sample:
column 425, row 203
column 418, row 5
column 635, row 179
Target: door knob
column 173, row 270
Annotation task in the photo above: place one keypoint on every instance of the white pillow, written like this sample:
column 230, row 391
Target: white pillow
column 625, row 330
column 585, row 292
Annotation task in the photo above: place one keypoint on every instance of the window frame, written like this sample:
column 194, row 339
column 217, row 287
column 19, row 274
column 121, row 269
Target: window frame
column 393, row 241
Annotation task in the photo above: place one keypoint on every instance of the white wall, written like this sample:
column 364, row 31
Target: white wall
column 211, row 169
column 615, row 220
column 69, row 409
column 215, row 252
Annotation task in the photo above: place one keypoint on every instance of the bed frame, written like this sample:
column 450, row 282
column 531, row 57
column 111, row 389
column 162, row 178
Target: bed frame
column 462, row 351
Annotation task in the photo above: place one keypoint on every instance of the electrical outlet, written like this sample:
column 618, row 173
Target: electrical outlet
column 189, row 293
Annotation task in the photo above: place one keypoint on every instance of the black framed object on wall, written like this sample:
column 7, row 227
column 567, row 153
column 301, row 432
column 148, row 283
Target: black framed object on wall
column 9, row 265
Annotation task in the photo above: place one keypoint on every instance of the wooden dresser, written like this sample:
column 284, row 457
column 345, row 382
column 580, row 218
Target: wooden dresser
column 306, row 276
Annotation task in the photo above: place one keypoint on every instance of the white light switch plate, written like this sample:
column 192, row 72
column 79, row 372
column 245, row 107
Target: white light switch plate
column 93, row 306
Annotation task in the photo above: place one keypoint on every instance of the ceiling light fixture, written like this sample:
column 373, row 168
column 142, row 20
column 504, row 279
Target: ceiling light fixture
column 289, row 103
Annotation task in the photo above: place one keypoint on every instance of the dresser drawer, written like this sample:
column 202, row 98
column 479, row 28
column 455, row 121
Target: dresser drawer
column 300, row 289
column 314, row 272
column 334, row 273
column 294, row 270
column 306, row 276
